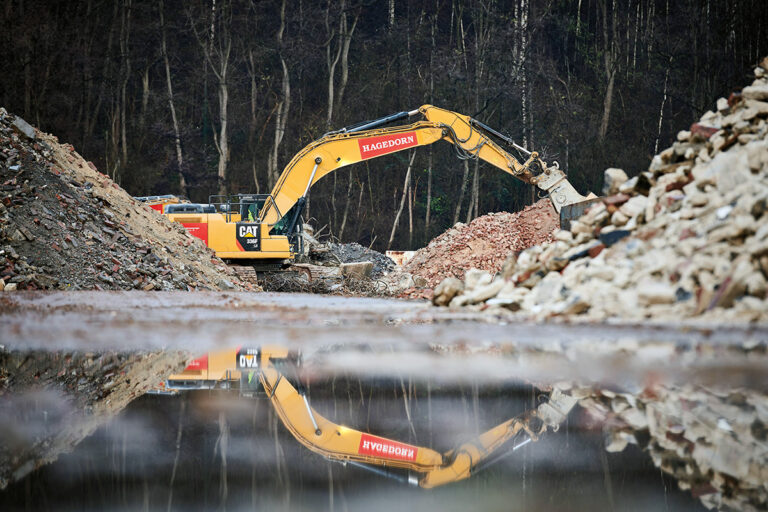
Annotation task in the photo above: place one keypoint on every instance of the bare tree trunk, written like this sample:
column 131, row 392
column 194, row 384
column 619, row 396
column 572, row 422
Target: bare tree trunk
column 475, row 195
column 347, row 41
column 346, row 210
column 252, row 125
column 411, row 194
column 406, row 184
column 222, row 445
column 144, row 98
column 521, row 55
column 125, row 32
column 171, row 106
column 90, row 122
column 433, row 28
column 179, row 431
column 578, row 19
column 610, row 60
column 661, row 109
column 223, row 142
column 217, row 53
column 429, row 195
column 332, row 61
column 282, row 107
column 461, row 194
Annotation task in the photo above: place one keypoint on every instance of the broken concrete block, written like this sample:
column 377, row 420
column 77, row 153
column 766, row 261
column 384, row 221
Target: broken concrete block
column 447, row 290
column 358, row 269
column 613, row 178
column 485, row 292
column 24, row 128
column 629, row 186
column 634, row 207
column 618, row 440
column 755, row 92
column 474, row 278
column 554, row 411
column 656, row 293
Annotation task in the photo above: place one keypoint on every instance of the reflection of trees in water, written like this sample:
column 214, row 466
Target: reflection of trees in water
column 215, row 450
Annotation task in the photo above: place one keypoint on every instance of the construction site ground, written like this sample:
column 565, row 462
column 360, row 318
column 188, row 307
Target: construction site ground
column 650, row 310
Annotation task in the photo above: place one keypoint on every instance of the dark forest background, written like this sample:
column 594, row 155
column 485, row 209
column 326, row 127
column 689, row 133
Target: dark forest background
column 199, row 96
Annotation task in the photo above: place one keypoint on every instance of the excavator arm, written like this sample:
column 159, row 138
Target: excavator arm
column 427, row 467
column 369, row 140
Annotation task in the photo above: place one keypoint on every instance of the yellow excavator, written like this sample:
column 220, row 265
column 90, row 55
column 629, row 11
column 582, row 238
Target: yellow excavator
column 266, row 227
column 274, row 371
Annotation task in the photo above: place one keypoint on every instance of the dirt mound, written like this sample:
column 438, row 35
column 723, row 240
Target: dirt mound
column 484, row 243
column 65, row 225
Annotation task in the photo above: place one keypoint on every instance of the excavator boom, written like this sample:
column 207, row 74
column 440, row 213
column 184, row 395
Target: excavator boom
column 351, row 145
column 428, row 468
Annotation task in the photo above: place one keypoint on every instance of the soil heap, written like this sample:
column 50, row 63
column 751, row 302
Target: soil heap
column 64, row 225
column 687, row 238
column 484, row 243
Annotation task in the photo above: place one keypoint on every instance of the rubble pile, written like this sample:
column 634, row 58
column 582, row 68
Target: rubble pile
column 334, row 254
column 687, row 238
column 483, row 243
column 712, row 442
column 64, row 225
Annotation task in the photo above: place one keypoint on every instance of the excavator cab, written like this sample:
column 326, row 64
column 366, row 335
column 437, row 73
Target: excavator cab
column 250, row 205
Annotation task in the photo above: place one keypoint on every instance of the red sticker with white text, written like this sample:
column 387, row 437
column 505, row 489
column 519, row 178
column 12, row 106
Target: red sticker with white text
column 383, row 144
column 376, row 446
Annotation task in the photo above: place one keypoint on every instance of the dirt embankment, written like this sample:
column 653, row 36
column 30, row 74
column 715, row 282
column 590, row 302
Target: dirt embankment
column 64, row 225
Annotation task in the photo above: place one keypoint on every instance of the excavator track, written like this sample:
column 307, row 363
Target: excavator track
column 253, row 273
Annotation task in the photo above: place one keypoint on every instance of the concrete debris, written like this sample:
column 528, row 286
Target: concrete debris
column 686, row 239
column 484, row 243
column 64, row 225
column 359, row 269
column 23, row 128
column 447, row 290
column 613, row 179
column 334, row 254
column 712, row 441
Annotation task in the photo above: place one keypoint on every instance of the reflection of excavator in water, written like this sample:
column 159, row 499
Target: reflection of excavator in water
column 266, row 227
column 268, row 368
